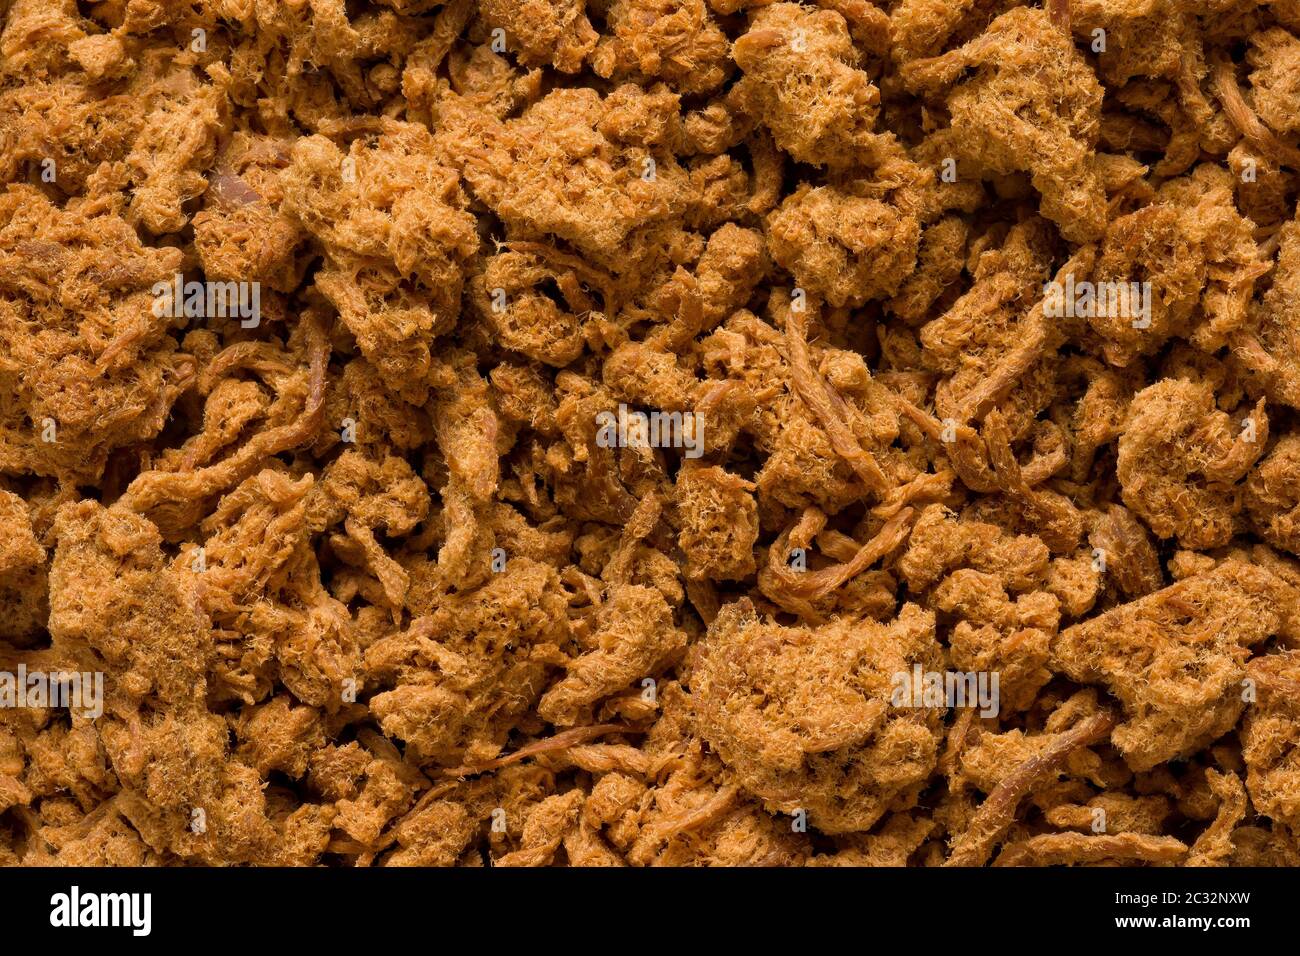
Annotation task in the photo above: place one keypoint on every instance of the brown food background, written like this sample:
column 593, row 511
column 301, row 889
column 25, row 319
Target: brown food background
column 476, row 226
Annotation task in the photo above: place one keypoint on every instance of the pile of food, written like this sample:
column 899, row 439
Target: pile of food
column 649, row 432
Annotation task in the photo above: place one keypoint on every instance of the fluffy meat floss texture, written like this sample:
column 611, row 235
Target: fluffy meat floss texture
column 1176, row 659
column 951, row 339
column 1032, row 106
column 81, row 350
column 1181, row 460
column 803, row 717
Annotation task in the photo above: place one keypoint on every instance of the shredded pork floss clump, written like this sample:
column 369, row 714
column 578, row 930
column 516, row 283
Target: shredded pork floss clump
column 822, row 734
column 650, row 433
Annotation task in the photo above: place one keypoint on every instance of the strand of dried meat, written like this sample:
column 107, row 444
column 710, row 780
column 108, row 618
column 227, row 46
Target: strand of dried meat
column 1050, row 849
column 1244, row 118
column 561, row 741
column 998, row 811
column 812, row 585
column 827, row 406
column 155, row 487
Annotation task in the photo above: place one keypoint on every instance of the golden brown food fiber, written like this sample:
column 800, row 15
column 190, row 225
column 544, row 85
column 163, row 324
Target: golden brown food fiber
column 650, row 432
